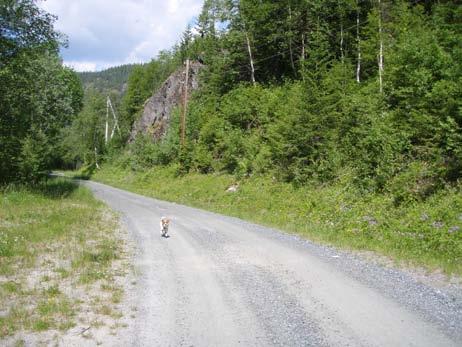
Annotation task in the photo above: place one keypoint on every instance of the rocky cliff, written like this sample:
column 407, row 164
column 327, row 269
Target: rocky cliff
column 158, row 108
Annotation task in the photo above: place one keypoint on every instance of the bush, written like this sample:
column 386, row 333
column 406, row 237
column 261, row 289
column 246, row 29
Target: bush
column 202, row 159
column 35, row 157
column 418, row 181
column 143, row 153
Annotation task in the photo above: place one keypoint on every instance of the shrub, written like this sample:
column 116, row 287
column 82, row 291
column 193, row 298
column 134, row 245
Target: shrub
column 415, row 183
column 35, row 157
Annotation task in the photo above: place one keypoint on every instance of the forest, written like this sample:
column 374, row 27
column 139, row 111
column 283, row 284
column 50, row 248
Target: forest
column 113, row 79
column 38, row 96
column 303, row 91
column 307, row 91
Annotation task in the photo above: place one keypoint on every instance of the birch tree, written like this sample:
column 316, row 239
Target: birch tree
column 380, row 60
column 358, row 45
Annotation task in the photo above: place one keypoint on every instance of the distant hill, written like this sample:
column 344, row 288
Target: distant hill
column 112, row 79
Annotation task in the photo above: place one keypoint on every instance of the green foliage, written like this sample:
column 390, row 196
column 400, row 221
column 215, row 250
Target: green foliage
column 415, row 183
column 34, row 157
column 24, row 28
column 144, row 153
column 38, row 96
column 83, row 141
column 113, row 79
column 449, row 136
column 316, row 109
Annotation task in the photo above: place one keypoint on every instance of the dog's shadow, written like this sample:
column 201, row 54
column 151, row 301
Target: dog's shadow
column 166, row 236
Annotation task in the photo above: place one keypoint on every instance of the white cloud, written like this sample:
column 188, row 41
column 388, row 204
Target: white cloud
column 90, row 65
column 172, row 6
column 105, row 33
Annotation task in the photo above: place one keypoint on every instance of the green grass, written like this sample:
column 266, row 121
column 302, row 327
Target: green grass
column 30, row 217
column 10, row 287
column 425, row 233
column 54, row 313
column 61, row 233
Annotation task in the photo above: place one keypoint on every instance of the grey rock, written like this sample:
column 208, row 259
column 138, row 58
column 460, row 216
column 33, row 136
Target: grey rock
column 424, row 217
column 437, row 224
column 157, row 111
column 371, row 220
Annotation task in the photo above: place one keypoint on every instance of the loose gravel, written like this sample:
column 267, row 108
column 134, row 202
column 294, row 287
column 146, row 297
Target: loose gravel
column 222, row 281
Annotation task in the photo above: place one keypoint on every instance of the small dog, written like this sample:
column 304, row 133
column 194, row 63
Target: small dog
column 164, row 224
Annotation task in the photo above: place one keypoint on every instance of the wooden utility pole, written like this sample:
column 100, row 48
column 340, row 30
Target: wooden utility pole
column 185, row 105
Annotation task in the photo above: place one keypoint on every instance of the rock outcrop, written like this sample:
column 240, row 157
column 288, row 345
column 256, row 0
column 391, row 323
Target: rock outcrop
column 157, row 111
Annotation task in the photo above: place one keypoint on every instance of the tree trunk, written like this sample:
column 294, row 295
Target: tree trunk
column 252, row 69
column 290, row 40
column 358, row 42
column 341, row 42
column 96, row 158
column 380, row 49
column 116, row 123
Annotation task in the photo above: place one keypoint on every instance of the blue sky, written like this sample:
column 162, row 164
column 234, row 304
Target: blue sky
column 104, row 33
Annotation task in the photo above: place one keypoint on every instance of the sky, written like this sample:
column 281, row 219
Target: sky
column 105, row 33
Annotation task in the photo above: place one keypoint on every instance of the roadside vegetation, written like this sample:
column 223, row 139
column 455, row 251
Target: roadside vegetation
column 341, row 121
column 60, row 258
column 426, row 233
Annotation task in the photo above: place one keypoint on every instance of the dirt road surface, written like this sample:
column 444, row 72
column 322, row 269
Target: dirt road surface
column 220, row 281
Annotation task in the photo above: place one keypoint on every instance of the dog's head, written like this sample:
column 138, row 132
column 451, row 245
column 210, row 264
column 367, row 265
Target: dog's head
column 165, row 221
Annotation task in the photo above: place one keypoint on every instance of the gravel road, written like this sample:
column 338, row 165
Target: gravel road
column 220, row 281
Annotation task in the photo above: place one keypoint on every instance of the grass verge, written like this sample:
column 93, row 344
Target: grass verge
column 427, row 234
column 57, row 249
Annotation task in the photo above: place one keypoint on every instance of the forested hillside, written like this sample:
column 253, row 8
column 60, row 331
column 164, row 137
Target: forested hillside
column 311, row 90
column 110, row 80
column 340, row 120
column 302, row 91
column 84, row 140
